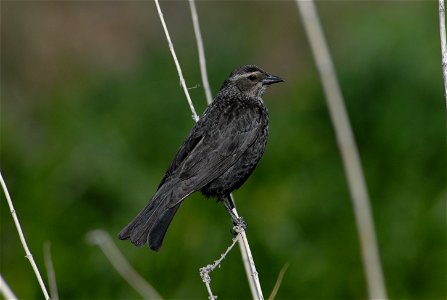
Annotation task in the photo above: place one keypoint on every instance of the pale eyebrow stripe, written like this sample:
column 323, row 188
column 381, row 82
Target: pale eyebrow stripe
column 245, row 75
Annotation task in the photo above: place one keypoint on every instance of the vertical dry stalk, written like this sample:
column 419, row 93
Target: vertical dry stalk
column 443, row 45
column 348, row 150
column 22, row 239
column 50, row 270
column 249, row 263
column 247, row 257
column 201, row 50
column 278, row 282
column 104, row 242
column 174, row 56
column 5, row 290
column 205, row 272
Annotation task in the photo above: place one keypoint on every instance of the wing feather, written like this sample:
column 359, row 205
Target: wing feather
column 205, row 155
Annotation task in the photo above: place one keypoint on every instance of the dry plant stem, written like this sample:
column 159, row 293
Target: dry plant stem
column 201, row 50
column 443, row 45
column 50, row 270
column 5, row 290
column 278, row 281
column 174, row 56
column 250, row 267
column 249, row 263
column 205, row 272
column 22, row 239
column 348, row 150
column 210, row 292
column 103, row 240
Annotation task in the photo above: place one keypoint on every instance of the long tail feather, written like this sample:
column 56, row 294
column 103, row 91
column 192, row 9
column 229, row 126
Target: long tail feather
column 151, row 224
column 158, row 231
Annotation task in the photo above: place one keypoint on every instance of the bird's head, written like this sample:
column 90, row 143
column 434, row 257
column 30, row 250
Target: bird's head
column 250, row 80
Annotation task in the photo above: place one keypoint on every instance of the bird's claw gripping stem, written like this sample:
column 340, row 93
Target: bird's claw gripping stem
column 238, row 222
column 239, row 226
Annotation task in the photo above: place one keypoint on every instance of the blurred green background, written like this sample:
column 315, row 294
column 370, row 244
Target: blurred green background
column 92, row 113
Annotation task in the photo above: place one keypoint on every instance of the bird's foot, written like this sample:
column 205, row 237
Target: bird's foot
column 239, row 226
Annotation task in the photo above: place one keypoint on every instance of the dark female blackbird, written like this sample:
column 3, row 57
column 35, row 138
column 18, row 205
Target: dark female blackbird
column 217, row 157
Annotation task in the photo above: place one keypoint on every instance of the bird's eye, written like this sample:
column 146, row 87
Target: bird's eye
column 252, row 77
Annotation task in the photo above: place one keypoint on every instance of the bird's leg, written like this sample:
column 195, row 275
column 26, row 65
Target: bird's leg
column 237, row 221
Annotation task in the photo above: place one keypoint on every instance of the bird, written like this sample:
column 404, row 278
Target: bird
column 217, row 157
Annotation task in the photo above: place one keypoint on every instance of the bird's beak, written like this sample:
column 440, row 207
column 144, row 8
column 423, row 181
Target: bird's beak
column 271, row 79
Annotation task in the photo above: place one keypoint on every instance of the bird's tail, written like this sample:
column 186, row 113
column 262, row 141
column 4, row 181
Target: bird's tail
column 151, row 224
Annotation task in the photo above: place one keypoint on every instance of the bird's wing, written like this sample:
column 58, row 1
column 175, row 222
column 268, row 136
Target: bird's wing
column 207, row 154
column 188, row 145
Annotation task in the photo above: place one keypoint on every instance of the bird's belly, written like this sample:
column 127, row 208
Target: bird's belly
column 237, row 174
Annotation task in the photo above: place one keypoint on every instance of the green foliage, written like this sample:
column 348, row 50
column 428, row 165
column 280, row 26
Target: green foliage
column 85, row 140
